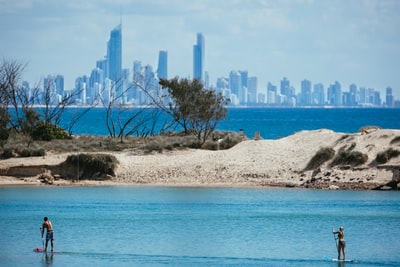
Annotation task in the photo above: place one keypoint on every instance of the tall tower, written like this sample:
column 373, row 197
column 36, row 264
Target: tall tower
column 114, row 54
column 305, row 98
column 198, row 58
column 389, row 97
column 162, row 70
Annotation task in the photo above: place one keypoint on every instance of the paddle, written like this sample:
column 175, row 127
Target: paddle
column 334, row 237
column 42, row 237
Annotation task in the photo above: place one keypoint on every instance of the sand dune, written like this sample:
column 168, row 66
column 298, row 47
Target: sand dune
column 251, row 163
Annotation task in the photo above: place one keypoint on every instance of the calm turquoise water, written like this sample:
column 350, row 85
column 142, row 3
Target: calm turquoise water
column 166, row 226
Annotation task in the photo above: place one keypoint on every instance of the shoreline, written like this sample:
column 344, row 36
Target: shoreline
column 252, row 163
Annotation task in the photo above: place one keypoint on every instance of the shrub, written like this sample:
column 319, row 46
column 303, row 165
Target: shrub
column 230, row 140
column 210, row 145
column 7, row 153
column 395, row 140
column 47, row 132
column 386, row 155
column 348, row 157
column 93, row 164
column 323, row 154
column 4, row 134
column 153, row 147
column 26, row 152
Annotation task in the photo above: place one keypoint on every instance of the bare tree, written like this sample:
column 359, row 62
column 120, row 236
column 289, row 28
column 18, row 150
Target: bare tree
column 55, row 105
column 20, row 98
column 123, row 120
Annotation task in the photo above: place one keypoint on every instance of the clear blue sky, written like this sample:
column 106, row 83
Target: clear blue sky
column 351, row 41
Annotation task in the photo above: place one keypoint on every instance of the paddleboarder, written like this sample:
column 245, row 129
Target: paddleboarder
column 342, row 243
column 49, row 233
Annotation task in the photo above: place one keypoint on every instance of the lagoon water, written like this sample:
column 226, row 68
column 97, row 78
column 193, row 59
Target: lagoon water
column 173, row 226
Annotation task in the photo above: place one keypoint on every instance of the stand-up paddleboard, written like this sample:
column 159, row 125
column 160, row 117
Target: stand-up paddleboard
column 332, row 259
column 41, row 250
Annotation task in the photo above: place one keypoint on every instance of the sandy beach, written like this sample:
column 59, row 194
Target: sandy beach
column 280, row 162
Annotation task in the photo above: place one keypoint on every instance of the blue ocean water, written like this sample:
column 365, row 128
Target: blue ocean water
column 272, row 123
column 168, row 226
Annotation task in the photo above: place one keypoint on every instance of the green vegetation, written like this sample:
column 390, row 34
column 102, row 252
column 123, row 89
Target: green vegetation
column 386, row 155
column 47, row 132
column 92, row 165
column 346, row 156
column 323, row 155
column 196, row 109
column 24, row 152
column 159, row 143
column 395, row 140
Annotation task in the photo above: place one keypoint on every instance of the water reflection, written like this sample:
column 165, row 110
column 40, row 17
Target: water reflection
column 47, row 259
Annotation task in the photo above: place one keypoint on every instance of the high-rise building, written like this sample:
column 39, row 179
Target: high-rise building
column 271, row 93
column 335, row 94
column 235, row 82
column 252, row 90
column 243, row 90
column 102, row 64
column 319, row 94
column 363, row 95
column 305, row 93
column 389, row 97
column 162, row 70
column 198, row 58
column 114, row 54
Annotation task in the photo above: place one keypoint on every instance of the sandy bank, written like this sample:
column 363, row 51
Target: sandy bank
column 279, row 162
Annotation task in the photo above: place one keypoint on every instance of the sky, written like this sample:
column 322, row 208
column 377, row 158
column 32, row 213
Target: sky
column 349, row 41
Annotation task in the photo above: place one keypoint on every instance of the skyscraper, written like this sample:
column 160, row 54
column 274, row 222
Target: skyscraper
column 318, row 94
column 305, row 92
column 114, row 54
column 162, row 70
column 198, row 58
column 389, row 97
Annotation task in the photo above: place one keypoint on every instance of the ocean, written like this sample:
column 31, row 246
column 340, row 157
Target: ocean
column 174, row 226
column 272, row 123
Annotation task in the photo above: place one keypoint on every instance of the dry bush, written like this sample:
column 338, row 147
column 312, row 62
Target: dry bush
column 346, row 156
column 386, row 155
column 323, row 155
column 395, row 140
column 89, row 143
column 90, row 165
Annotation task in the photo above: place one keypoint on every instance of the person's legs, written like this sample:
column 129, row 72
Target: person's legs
column 344, row 252
column 51, row 238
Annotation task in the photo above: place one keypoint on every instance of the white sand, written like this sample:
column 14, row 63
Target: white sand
column 250, row 163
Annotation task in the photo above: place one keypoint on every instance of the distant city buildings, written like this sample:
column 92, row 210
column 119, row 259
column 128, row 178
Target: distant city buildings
column 114, row 54
column 110, row 83
column 198, row 58
column 162, row 70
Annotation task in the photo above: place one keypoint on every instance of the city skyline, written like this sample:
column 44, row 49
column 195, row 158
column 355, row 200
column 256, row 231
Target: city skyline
column 346, row 41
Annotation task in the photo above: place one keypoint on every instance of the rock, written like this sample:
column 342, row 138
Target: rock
column 386, row 188
column 333, row 187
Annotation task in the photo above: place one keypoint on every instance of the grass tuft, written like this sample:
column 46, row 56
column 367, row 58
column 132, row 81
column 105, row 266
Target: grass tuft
column 386, row 155
column 323, row 155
